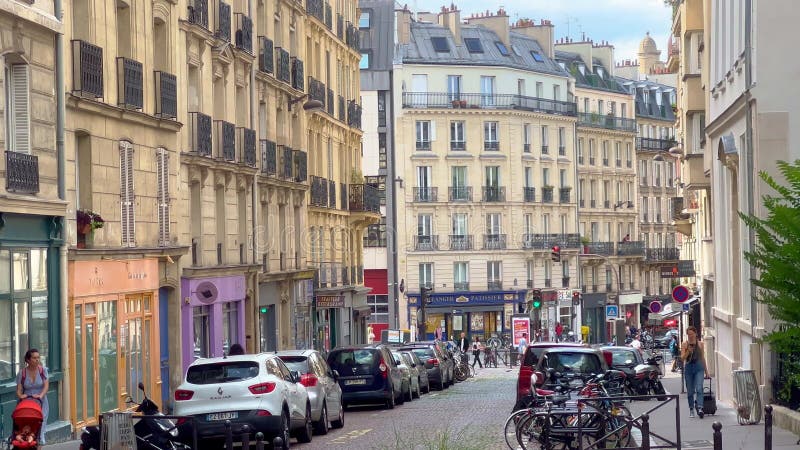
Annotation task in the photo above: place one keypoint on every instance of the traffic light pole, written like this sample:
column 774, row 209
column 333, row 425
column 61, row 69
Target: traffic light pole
column 613, row 269
column 424, row 292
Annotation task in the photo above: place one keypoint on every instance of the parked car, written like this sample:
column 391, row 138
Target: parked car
column 408, row 379
column 422, row 372
column 321, row 382
column 440, row 367
column 367, row 373
column 254, row 390
column 529, row 361
column 579, row 362
column 664, row 340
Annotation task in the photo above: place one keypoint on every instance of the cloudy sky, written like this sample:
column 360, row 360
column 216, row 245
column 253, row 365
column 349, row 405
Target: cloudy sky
column 621, row 22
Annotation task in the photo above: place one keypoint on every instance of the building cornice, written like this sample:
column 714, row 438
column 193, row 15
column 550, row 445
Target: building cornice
column 125, row 253
column 114, row 112
column 31, row 14
column 454, row 113
column 29, row 205
column 289, row 275
column 221, row 271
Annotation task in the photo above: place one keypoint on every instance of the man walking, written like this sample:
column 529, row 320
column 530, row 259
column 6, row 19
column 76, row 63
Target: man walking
column 521, row 346
column 463, row 343
column 559, row 331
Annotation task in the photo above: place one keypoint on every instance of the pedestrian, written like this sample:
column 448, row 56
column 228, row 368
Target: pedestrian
column 476, row 352
column 33, row 382
column 521, row 346
column 463, row 343
column 694, row 369
column 636, row 343
column 559, row 330
column 236, row 349
column 675, row 350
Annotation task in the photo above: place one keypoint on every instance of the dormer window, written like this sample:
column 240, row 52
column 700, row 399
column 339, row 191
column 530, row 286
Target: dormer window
column 563, row 66
column 440, row 44
column 473, row 45
column 582, row 69
column 536, row 56
column 601, row 72
column 501, row 48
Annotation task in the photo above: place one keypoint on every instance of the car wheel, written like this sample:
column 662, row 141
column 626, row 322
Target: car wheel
column 390, row 400
column 402, row 398
column 410, row 393
column 304, row 434
column 339, row 422
column 286, row 429
column 321, row 427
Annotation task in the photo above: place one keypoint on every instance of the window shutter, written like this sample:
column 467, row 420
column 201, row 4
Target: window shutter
column 433, row 130
column 127, row 220
column 162, row 167
column 20, row 109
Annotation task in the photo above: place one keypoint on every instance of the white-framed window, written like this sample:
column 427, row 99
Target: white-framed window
column 490, row 138
column 454, row 87
column 565, row 268
column 494, row 223
column 546, row 223
column 580, row 150
column 494, row 271
column 162, row 197
column 426, row 274
column 18, row 119
column 487, row 91
column 126, row 194
column 545, row 141
column 526, row 138
column 424, row 134
column 460, row 224
column 528, row 177
column 562, row 178
column 424, row 177
column 424, row 225
column 461, row 274
column 492, row 176
column 527, row 223
column 605, row 153
column 457, row 139
column 562, row 141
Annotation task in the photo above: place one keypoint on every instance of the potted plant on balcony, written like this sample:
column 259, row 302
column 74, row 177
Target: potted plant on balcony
column 88, row 221
column 585, row 242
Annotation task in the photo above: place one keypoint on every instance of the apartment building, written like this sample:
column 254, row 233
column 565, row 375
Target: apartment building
column 32, row 205
column 485, row 155
column 607, row 188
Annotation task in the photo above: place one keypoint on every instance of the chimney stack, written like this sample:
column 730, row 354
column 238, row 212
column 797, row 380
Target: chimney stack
column 451, row 18
column 497, row 23
column 403, row 17
column 542, row 33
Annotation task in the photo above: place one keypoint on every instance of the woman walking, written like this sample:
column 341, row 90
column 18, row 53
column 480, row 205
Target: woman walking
column 694, row 370
column 32, row 382
column 476, row 352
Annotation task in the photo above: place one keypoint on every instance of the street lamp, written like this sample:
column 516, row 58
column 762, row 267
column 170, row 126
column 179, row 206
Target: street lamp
column 309, row 106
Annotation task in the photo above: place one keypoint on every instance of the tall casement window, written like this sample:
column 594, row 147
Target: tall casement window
column 454, row 87
column 126, row 194
column 487, row 91
column 545, row 141
column 162, row 178
column 494, row 274
column 458, row 187
column 526, row 138
column 490, row 136
column 424, row 134
column 18, row 119
column 426, row 275
column 461, row 276
column 457, row 135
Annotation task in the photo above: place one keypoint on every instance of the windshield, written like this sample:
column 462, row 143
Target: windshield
column 222, row 372
column 296, row 363
column 622, row 357
column 574, row 362
column 356, row 361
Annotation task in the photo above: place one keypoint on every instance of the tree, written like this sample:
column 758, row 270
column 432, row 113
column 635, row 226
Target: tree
column 776, row 257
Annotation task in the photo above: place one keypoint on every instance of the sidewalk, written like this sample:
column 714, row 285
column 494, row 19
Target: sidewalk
column 697, row 433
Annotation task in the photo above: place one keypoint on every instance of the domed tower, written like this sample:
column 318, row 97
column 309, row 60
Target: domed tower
column 649, row 55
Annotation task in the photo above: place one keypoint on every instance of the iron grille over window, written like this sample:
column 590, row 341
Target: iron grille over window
column 269, row 158
column 266, row 55
column 200, row 133
column 342, row 111
column 166, row 95
column 283, row 71
column 329, row 102
column 297, row 74
column 244, row 32
column 248, row 149
column 225, row 140
column 129, row 82
column 22, row 172
column 87, row 69
column 223, row 30
column 300, row 166
column 198, row 12
column 331, row 193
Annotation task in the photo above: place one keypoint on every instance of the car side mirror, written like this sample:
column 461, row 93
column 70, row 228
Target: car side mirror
column 335, row 374
column 295, row 376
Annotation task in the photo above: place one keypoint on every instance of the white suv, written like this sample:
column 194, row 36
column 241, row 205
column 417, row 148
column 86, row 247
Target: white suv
column 254, row 390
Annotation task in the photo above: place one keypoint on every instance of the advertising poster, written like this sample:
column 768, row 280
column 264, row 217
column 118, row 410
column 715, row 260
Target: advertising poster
column 522, row 325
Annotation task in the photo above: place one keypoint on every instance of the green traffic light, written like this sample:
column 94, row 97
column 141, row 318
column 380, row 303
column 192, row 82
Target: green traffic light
column 264, row 309
column 537, row 304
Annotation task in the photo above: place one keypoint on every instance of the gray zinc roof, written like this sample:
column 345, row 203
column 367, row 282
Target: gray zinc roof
column 589, row 80
column 420, row 49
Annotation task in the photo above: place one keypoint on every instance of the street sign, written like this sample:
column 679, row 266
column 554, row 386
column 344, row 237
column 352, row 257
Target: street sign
column 655, row 316
column 564, row 294
column 685, row 307
column 655, row 306
column 680, row 293
column 612, row 312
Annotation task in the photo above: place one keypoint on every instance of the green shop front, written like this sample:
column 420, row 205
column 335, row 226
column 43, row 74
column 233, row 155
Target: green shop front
column 481, row 314
column 30, row 305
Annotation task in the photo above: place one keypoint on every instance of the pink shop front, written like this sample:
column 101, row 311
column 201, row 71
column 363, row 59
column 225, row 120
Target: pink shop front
column 212, row 316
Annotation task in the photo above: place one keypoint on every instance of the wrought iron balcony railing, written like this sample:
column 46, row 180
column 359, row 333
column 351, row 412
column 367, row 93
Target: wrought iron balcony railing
column 198, row 12
column 599, row 248
column 130, row 91
column 564, row 282
column 458, row 145
column 319, row 191
column 547, row 195
column 317, row 90
column 354, row 114
column 423, row 145
column 436, row 100
column 329, row 102
column 662, row 254
column 426, row 243
column 547, row 241
column 331, row 194
column 282, row 63
column 286, row 163
column 530, row 194
column 657, row 145
column 246, row 141
column 426, row 194
column 200, row 133
column 342, row 116
column 269, row 158
column 316, row 8
column 460, row 193
column 298, row 74
column 491, row 146
column 461, row 285
column 244, row 32
column 22, row 172
column 300, row 166
column 606, row 121
column 339, row 26
column 494, row 241
column 223, row 31
column 364, row 197
column 166, row 95
column 266, row 55
column 87, row 69
column 563, row 194
column 494, row 193
column 352, row 37
column 328, row 16
column 630, row 248
column 494, row 285
column 225, row 140
column 460, row 242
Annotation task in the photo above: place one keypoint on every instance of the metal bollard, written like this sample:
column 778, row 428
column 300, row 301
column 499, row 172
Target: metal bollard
column 277, row 442
column 246, row 437
column 717, row 435
column 259, row 441
column 228, row 436
column 768, row 427
column 645, row 431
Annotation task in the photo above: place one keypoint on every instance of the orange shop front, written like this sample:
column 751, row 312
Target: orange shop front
column 114, row 314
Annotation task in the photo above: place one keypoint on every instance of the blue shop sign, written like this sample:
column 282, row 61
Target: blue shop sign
column 470, row 298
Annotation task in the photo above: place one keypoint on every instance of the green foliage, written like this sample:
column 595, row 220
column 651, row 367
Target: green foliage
column 776, row 257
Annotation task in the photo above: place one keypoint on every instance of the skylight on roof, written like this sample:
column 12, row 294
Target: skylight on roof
column 500, row 46
column 440, row 44
column 536, row 56
column 516, row 50
column 473, row 45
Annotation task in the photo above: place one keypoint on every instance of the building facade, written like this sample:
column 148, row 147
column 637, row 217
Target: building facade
column 32, row 205
column 482, row 201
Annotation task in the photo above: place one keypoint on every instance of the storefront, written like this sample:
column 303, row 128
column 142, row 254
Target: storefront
column 481, row 314
column 30, row 307
column 629, row 304
column 212, row 315
column 594, row 316
column 284, row 317
column 341, row 317
column 115, row 316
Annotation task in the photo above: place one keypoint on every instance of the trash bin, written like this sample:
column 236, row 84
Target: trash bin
column 512, row 355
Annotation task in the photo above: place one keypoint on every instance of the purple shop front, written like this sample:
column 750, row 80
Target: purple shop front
column 212, row 314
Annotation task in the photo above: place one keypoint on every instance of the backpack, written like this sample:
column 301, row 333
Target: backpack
column 673, row 347
column 25, row 373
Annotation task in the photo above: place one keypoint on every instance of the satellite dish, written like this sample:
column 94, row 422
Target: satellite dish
column 206, row 292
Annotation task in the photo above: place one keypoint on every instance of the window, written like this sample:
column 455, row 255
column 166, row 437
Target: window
column 545, row 147
column 490, row 136
column 487, row 91
column 494, row 272
column 473, row 45
column 527, row 223
column 520, row 86
column 605, row 153
column 515, row 49
column 454, row 87
column 424, row 225
column 363, row 20
column 426, row 275
column 457, row 141
column 459, row 176
column 364, row 63
column 529, row 177
column 18, row 117
column 440, row 44
column 230, row 324
column 460, row 224
column 526, row 138
column 382, row 150
column 537, row 56
column 539, row 89
column 546, row 176
column 461, row 276
column 565, row 268
column 562, row 178
column 162, row 179
column 126, row 194
column 628, row 154
column 492, row 176
column 202, row 337
column 580, row 150
column 493, row 223
column 562, row 141
column 501, row 48
column 556, row 92
column 379, row 306
column 546, row 223
column 424, row 177
column 423, row 135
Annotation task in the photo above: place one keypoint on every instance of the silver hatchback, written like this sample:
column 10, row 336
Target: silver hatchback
column 322, row 385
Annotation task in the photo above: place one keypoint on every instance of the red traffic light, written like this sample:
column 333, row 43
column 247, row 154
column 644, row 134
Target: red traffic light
column 576, row 294
column 556, row 249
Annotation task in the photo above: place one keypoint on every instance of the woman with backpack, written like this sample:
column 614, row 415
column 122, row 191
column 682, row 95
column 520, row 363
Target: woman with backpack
column 675, row 349
column 32, row 382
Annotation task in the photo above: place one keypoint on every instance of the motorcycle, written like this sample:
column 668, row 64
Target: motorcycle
column 151, row 433
column 646, row 378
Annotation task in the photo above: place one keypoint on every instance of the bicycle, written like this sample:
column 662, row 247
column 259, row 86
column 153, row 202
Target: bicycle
column 462, row 370
column 490, row 357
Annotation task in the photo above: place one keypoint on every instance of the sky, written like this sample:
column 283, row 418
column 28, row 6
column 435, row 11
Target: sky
column 623, row 23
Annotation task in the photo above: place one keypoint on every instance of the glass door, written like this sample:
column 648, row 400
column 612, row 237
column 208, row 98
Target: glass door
column 136, row 346
column 85, row 384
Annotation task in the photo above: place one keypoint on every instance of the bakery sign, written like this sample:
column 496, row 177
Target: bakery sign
column 330, row 301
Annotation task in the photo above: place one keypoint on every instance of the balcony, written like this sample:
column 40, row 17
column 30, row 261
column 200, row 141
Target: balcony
column 298, row 75
column 460, row 242
column 426, row 194
column 282, row 62
column 354, row 114
column 494, row 241
column 223, row 31
column 339, row 26
column 591, row 160
column 619, row 163
column 529, row 194
column 491, row 146
column 269, row 158
column 316, row 8
column 317, row 90
column 329, row 102
column 494, row 285
column 225, row 140
column 662, row 254
column 198, row 12
column 22, row 173
column 547, row 195
column 352, row 37
column 246, row 141
column 328, row 16
column 563, row 194
column 200, row 133
column 545, row 150
column 654, row 145
column 606, row 121
column 460, row 193
column 286, row 162
column 494, row 194
column 461, row 286
column 444, row 100
column 423, row 145
column 244, row 32
column 300, row 159
column 630, row 248
column 693, row 173
column 599, row 248
column 87, row 70
column 319, row 191
column 458, row 145
column 364, row 198
column 342, row 116
column 166, row 95
column 547, row 241
column 266, row 55
column 426, row 243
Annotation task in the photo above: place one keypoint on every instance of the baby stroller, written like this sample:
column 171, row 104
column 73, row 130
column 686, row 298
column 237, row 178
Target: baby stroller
column 27, row 418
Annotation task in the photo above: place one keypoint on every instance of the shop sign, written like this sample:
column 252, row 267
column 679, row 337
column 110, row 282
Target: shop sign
column 489, row 298
column 330, row 301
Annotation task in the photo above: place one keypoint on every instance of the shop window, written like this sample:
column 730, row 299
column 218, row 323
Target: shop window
column 230, row 325
column 202, row 337
column 107, row 355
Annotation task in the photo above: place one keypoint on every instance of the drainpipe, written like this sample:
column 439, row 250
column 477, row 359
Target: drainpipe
column 748, row 152
column 578, row 310
column 253, row 332
column 391, row 215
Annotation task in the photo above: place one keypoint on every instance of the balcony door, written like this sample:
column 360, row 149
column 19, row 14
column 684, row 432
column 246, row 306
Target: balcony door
column 492, row 179
column 487, row 91
column 419, row 89
column 424, row 179
column 453, row 87
column 459, row 224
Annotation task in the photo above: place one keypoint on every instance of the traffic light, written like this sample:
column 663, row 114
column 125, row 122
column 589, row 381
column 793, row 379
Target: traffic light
column 576, row 298
column 536, row 298
column 555, row 255
column 263, row 309
column 425, row 295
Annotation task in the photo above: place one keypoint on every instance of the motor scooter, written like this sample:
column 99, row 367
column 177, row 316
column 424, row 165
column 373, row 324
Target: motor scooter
column 646, row 378
column 151, row 433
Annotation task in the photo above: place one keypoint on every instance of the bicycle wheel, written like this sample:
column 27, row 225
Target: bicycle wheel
column 529, row 432
column 510, row 428
column 460, row 373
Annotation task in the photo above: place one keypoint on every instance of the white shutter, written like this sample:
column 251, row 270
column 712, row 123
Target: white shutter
column 162, row 167
column 433, row 130
column 127, row 219
column 20, row 109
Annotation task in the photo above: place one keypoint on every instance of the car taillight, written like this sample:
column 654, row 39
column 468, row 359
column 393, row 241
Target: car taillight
column 263, row 413
column 262, row 388
column 308, row 380
column 433, row 361
column 524, row 381
column 181, row 421
column 383, row 368
column 183, row 394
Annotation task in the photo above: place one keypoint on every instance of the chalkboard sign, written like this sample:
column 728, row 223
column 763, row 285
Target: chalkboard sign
column 748, row 400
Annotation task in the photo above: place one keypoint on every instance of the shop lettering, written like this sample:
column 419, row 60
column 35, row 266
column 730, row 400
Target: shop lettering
column 137, row 276
column 95, row 282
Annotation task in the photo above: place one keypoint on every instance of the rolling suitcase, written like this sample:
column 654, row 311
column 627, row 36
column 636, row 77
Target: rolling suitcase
column 709, row 399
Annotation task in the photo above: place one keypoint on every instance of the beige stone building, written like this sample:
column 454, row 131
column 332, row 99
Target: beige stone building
column 485, row 154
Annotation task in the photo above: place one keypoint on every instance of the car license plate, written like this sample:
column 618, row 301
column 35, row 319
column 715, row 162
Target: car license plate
column 358, row 381
column 223, row 416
